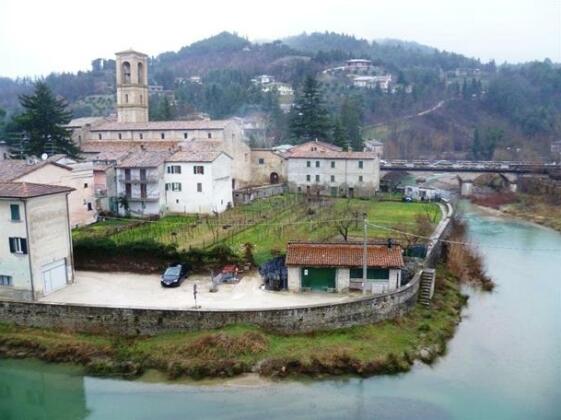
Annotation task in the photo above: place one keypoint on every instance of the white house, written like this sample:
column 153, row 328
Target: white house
column 371, row 82
column 35, row 240
column 358, row 63
column 198, row 182
column 324, row 169
column 339, row 267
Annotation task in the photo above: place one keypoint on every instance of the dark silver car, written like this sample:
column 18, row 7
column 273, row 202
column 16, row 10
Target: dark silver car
column 174, row 275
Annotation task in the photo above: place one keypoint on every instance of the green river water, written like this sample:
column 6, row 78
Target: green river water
column 503, row 363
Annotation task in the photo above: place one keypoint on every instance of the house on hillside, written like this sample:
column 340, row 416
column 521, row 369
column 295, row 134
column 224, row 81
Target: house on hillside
column 35, row 243
column 339, row 267
column 324, row 169
column 61, row 171
column 268, row 166
column 358, row 63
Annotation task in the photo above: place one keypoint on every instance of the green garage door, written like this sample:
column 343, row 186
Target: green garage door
column 318, row 278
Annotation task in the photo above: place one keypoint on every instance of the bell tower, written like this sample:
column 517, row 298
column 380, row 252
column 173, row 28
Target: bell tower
column 132, row 86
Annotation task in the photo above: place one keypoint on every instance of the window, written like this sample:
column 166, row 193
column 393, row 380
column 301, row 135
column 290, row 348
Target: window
column 128, row 190
column 261, row 161
column 174, row 169
column 360, row 165
column 141, row 100
column 143, row 174
column 317, row 163
column 99, row 137
column 173, row 186
column 5, row 280
column 308, row 164
column 143, row 191
column 198, row 169
column 199, row 187
column 162, row 135
column 90, row 208
column 79, row 139
column 127, row 174
column 18, row 245
column 120, row 136
column 14, row 209
column 308, row 178
column 209, row 135
column 85, row 185
column 317, row 178
column 185, row 135
column 126, row 98
column 141, row 136
column 371, row 273
column 360, row 178
column 333, row 164
column 140, row 73
column 332, row 178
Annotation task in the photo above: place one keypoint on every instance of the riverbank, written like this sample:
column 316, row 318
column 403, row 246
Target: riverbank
column 386, row 347
column 530, row 208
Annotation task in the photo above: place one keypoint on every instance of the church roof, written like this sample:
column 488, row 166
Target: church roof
column 163, row 125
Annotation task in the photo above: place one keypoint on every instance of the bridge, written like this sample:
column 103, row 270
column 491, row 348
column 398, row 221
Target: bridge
column 465, row 172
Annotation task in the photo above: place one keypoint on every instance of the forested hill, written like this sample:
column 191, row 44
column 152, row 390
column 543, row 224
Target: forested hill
column 488, row 111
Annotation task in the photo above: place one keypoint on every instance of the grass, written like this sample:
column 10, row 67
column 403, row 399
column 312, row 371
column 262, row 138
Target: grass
column 386, row 347
column 536, row 208
column 268, row 224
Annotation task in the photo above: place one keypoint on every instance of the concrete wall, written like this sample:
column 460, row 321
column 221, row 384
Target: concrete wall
column 129, row 321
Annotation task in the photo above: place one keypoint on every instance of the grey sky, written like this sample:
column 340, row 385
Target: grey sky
column 37, row 37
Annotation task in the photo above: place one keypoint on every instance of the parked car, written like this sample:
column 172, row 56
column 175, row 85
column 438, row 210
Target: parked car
column 174, row 275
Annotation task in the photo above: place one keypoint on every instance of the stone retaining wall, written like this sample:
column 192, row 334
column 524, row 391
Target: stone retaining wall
column 131, row 321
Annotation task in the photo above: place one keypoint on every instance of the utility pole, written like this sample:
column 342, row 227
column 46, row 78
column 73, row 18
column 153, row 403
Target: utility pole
column 365, row 255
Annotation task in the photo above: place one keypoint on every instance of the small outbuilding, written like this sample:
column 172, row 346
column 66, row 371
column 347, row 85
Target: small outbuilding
column 339, row 266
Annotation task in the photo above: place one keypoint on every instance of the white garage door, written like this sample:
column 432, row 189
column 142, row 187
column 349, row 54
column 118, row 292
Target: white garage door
column 54, row 276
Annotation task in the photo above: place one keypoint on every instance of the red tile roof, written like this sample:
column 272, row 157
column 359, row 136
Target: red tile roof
column 342, row 255
column 163, row 125
column 100, row 146
column 29, row 190
column 328, row 154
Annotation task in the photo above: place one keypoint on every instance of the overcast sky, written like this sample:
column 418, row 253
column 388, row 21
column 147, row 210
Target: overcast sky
column 41, row 36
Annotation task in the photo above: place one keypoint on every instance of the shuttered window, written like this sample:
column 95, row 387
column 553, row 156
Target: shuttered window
column 18, row 245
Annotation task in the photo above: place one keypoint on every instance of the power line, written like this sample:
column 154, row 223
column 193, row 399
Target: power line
column 462, row 243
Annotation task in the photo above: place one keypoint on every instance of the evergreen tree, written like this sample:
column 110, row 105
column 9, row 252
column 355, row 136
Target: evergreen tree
column 351, row 117
column 309, row 119
column 43, row 125
column 339, row 136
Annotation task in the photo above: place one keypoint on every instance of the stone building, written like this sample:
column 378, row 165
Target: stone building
column 35, row 240
column 324, row 169
column 339, row 267
column 132, row 124
column 268, row 166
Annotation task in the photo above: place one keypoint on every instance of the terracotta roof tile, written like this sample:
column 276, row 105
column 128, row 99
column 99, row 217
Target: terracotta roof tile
column 328, row 154
column 144, row 159
column 342, row 255
column 163, row 125
column 29, row 190
column 99, row 146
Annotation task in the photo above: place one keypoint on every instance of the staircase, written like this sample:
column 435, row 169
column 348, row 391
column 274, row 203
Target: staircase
column 426, row 287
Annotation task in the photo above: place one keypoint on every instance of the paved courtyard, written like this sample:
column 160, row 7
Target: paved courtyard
column 144, row 291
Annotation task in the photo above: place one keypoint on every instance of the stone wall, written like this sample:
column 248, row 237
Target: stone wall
column 247, row 195
column 127, row 321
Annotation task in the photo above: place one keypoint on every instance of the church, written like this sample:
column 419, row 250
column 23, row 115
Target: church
column 132, row 130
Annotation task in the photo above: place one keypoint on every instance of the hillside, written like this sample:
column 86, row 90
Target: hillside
column 519, row 105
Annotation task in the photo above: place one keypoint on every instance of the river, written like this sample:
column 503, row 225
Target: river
column 503, row 363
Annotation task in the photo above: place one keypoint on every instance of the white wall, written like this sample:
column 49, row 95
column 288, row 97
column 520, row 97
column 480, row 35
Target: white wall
column 294, row 281
column 216, row 187
column 154, row 204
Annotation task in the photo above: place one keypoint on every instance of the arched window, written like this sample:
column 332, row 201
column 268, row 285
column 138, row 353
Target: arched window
column 140, row 69
column 126, row 72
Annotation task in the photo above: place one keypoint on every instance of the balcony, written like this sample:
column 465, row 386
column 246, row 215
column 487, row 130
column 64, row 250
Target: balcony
column 135, row 180
column 146, row 199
